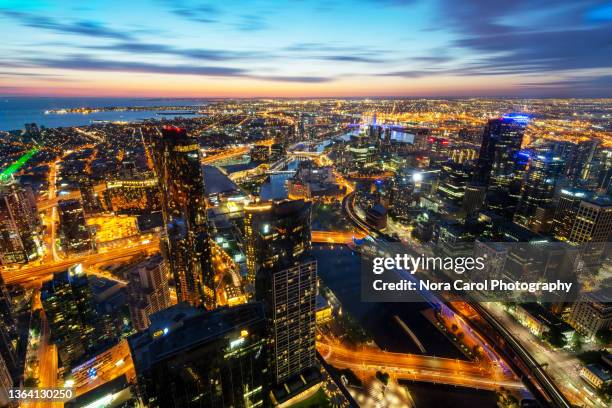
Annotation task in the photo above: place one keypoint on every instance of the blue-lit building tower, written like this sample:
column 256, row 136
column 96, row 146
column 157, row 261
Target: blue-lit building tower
column 501, row 141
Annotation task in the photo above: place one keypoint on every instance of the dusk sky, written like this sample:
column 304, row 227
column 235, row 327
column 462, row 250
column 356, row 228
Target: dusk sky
column 188, row 48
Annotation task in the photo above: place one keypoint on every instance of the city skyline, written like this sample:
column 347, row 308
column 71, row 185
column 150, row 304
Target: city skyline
column 306, row 49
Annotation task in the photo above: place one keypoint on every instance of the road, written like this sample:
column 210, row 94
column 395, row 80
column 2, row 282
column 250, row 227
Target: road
column 562, row 366
column 417, row 367
column 29, row 273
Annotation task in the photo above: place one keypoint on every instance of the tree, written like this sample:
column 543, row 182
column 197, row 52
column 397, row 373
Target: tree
column 382, row 377
column 555, row 338
column 604, row 337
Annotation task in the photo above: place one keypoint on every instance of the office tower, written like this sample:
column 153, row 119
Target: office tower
column 454, row 179
column 600, row 172
column 275, row 233
column 193, row 358
column 578, row 169
column 20, row 228
column 68, row 303
column 592, row 229
column 179, row 171
column 565, row 213
column 592, row 312
column 148, row 290
column 286, row 282
column 534, row 210
column 289, row 293
column 501, row 141
column 75, row 235
column 473, row 199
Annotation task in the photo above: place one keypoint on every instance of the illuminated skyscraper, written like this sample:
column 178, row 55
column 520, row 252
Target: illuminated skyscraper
column 20, row 227
column 286, row 282
column 148, row 291
column 534, row 210
column 592, row 229
column 179, row 170
column 289, row 293
column 454, row 179
column 566, row 210
column 275, row 233
column 501, row 141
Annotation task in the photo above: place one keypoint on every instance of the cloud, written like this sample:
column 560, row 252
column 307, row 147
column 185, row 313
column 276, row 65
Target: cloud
column 85, row 63
column 204, row 13
column 530, row 37
column 85, row 27
column 250, row 22
column 133, row 47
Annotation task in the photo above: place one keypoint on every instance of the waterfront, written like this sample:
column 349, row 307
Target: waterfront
column 15, row 112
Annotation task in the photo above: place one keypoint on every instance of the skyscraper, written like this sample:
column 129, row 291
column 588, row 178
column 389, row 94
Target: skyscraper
column 593, row 229
column 501, row 141
column 75, row 234
column 286, row 282
column 68, row 302
column 566, row 210
column 193, row 358
column 454, row 179
column 178, row 168
column 148, row 290
column 534, row 210
column 289, row 293
column 20, row 227
column 275, row 233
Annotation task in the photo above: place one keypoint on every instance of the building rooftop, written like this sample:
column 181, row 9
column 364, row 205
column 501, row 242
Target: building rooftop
column 183, row 327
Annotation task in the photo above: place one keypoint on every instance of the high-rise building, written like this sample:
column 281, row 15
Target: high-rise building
column 20, row 227
column 275, row 233
column 534, row 209
column 148, row 290
column 278, row 238
column 501, row 141
column 473, row 199
column 565, row 213
column 68, row 302
column 179, row 170
column 578, row 169
column 592, row 312
column 193, row 358
column 75, row 235
column 592, row 229
column 289, row 293
column 453, row 181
